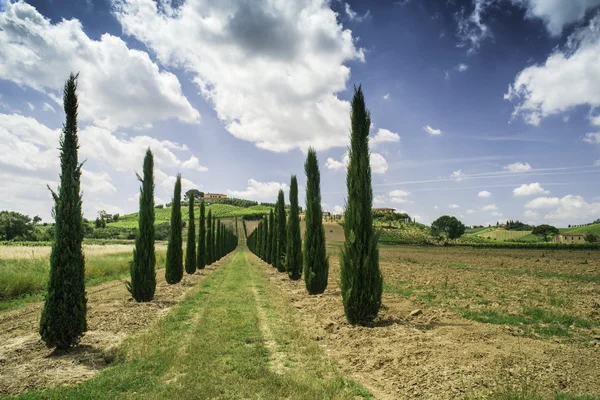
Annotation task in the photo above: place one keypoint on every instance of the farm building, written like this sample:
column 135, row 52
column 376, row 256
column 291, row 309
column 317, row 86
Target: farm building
column 210, row 196
column 568, row 238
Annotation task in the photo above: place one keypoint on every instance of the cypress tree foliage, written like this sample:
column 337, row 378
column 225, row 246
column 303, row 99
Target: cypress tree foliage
column 265, row 238
column 174, row 265
column 316, row 262
column 223, row 241
column 294, row 242
column 209, row 240
column 273, row 238
column 190, row 253
column 218, row 241
column 281, row 232
column 201, row 253
column 214, row 240
column 141, row 269
column 269, row 255
column 63, row 319
column 361, row 280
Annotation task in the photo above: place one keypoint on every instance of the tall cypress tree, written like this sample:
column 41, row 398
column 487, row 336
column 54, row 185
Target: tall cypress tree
column 174, row 265
column 63, row 319
column 141, row 269
column 294, row 242
column 361, row 280
column 265, row 238
column 269, row 255
column 273, row 238
column 209, row 239
column 316, row 262
column 201, row 253
column 223, row 243
column 217, row 239
column 281, row 232
column 190, row 252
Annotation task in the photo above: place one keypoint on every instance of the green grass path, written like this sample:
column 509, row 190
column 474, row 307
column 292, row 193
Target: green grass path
column 234, row 337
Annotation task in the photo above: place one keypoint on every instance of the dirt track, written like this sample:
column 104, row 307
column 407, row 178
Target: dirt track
column 112, row 316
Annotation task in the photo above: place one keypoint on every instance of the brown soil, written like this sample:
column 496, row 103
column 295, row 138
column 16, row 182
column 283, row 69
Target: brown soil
column 112, row 316
column 437, row 353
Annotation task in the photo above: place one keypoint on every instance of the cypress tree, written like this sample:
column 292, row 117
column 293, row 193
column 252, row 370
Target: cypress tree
column 294, row 241
column 316, row 262
column 281, row 232
column 273, row 238
column 223, row 243
column 201, row 253
column 209, row 240
column 265, row 238
column 269, row 255
column 63, row 319
column 214, row 240
column 361, row 280
column 174, row 265
column 218, row 240
column 190, row 253
column 143, row 276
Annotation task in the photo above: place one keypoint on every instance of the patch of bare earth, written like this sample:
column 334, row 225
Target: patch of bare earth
column 112, row 316
column 436, row 354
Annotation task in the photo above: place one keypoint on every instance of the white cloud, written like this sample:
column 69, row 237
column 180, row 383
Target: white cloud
column 384, row 136
column 353, row 15
column 435, row 207
column 462, row 67
column 379, row 199
column 592, row 138
column 594, row 119
column 518, row 167
column 260, row 191
column 386, row 96
column 470, row 211
column 568, row 78
column 379, row 164
column 270, row 69
column 432, row 131
column 453, row 206
column 338, row 209
column 96, row 182
column 471, row 30
column 194, row 163
column 458, row 175
column 557, row 14
column 484, row 194
column 31, row 106
column 570, row 208
column 399, row 196
column 531, row 214
column 167, row 182
column 489, row 207
column 597, row 163
column 48, row 107
column 118, row 86
column 496, row 214
column 529, row 190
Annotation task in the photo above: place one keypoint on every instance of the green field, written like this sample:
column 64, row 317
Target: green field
column 502, row 234
column 594, row 228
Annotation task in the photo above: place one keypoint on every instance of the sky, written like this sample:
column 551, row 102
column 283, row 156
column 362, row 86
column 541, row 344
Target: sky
column 487, row 110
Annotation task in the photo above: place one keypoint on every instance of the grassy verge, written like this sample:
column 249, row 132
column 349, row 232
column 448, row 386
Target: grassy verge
column 215, row 344
column 24, row 280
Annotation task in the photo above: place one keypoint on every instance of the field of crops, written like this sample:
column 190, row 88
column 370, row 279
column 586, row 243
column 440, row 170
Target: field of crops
column 502, row 234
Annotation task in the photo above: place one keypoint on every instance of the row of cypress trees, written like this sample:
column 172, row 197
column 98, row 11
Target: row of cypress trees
column 361, row 279
column 215, row 239
column 277, row 239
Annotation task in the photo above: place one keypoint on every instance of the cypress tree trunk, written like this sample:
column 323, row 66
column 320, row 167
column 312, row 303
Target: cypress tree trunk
column 270, row 239
column 209, row 240
column 294, row 241
column 316, row 262
column 273, row 238
column 281, row 232
column 63, row 319
column 141, row 269
column 174, row 265
column 201, row 254
column 361, row 280
column 190, row 252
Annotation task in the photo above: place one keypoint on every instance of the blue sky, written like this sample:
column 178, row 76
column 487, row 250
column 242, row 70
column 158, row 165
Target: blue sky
column 483, row 109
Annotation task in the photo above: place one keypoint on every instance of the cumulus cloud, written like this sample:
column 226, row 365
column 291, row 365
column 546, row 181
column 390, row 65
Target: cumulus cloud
column 484, row 194
column 96, row 182
column 529, row 190
column 568, row 78
column 270, row 69
column 531, row 214
column 592, row 138
column 399, row 196
column 194, row 163
column 379, row 164
column 567, row 208
column 260, row 191
column 338, row 209
column 432, row 131
column 557, row 14
column 118, row 86
column 379, row 199
column 384, row 136
column 489, row 207
column 518, row 167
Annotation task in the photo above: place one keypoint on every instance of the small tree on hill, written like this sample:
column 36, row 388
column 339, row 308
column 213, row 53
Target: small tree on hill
column 545, row 231
column 294, row 241
column 361, row 280
column 201, row 253
column 590, row 237
column 316, row 263
column 281, row 232
column 174, row 265
column 63, row 319
column 447, row 227
column 190, row 252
